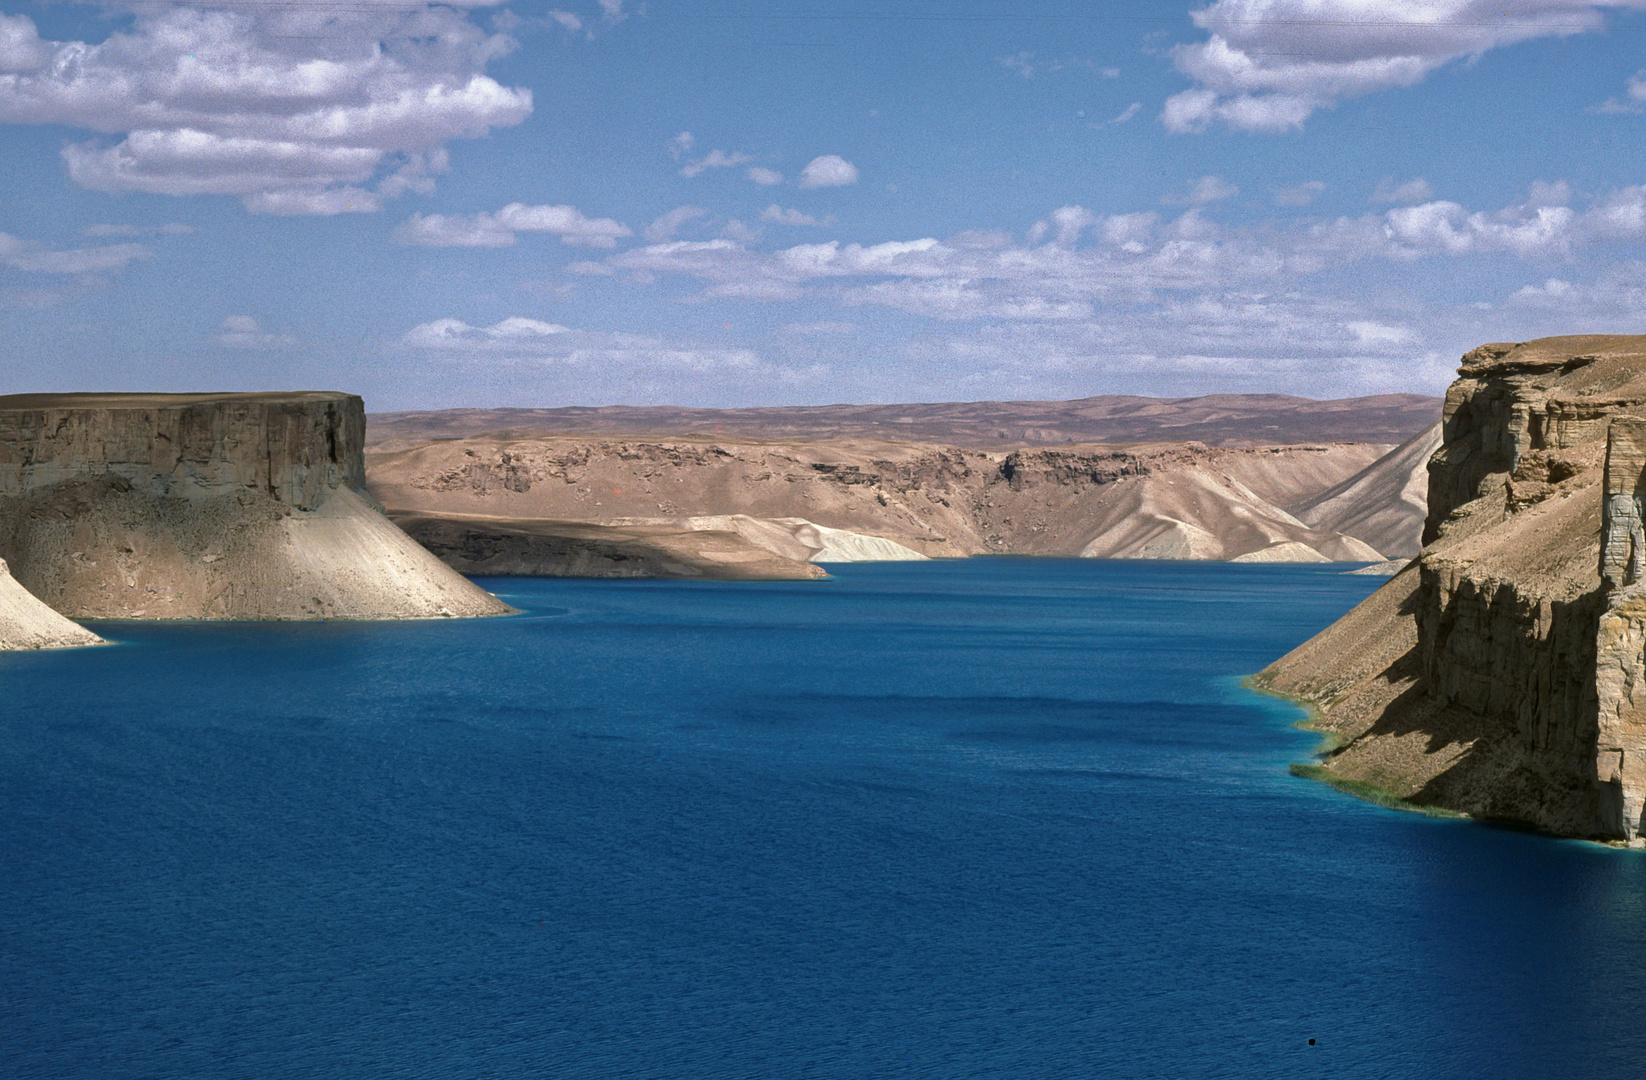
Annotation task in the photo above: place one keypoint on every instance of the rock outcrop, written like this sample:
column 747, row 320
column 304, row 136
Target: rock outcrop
column 1503, row 674
column 1166, row 501
column 26, row 623
column 221, row 506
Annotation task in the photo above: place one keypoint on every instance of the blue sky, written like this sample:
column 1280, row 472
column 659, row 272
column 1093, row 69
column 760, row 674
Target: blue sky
column 796, row 203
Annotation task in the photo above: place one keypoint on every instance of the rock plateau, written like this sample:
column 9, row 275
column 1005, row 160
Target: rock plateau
column 212, row 506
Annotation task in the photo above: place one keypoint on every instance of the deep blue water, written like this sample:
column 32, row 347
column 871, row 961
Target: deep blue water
column 987, row 818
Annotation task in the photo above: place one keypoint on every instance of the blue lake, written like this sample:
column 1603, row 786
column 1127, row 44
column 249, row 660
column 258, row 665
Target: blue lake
column 986, row 818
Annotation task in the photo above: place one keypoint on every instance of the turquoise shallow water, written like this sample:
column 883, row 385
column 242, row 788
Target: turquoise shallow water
column 990, row 818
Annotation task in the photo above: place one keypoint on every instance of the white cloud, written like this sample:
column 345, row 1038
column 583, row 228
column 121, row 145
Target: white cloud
column 790, row 216
column 524, row 341
column 566, row 19
column 499, row 229
column 292, row 108
column 1204, row 192
column 314, row 201
column 715, row 159
column 454, row 335
column 1367, row 332
column 1127, row 113
column 667, row 226
column 1405, row 194
column 1020, row 62
column 613, row 11
column 681, row 144
column 34, row 257
column 242, row 332
column 1078, row 262
column 765, row 177
column 171, row 229
column 1268, row 64
column 828, row 327
column 829, row 170
column 1300, row 194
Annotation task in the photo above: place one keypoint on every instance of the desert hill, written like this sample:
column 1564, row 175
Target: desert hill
column 1148, row 501
column 1504, row 673
column 1216, row 420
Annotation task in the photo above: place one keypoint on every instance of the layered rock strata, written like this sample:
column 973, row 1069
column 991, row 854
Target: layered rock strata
column 225, row 506
column 1503, row 674
column 1171, row 501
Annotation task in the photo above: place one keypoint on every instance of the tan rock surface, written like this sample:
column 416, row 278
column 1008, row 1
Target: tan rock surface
column 1217, row 420
column 1154, row 501
column 1384, row 504
column 1504, row 674
column 233, row 506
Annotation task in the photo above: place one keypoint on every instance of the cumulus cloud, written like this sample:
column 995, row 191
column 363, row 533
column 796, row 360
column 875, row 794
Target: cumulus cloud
column 294, row 108
column 566, row 19
column 499, row 229
column 829, row 170
column 667, row 226
column 525, row 341
column 243, row 332
column 1266, row 65
column 1204, row 192
column 715, row 159
column 1077, row 262
column 765, row 177
column 34, row 257
column 789, row 216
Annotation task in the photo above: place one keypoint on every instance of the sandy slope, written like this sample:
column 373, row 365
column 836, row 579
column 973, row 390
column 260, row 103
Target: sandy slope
column 1384, row 504
column 26, row 623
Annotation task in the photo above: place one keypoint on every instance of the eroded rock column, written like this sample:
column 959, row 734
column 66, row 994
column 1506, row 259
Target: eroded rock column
column 1620, row 640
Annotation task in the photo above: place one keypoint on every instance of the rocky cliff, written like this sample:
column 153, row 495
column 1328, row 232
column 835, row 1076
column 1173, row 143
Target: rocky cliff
column 223, row 506
column 1503, row 674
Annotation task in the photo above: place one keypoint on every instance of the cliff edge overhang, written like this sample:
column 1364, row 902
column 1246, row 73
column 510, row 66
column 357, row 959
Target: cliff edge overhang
column 1503, row 674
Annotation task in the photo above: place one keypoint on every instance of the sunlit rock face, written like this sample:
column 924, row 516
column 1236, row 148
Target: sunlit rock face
column 220, row 506
column 1504, row 673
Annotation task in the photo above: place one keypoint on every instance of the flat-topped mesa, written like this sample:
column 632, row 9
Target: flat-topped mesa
column 220, row 506
column 1504, row 673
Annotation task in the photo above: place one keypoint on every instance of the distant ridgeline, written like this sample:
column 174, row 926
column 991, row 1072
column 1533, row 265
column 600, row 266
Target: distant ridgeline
column 1503, row 674
column 205, row 506
column 517, row 491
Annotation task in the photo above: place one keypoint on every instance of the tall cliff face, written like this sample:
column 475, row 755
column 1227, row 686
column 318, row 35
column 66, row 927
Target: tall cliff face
column 296, row 448
column 230, row 506
column 1519, row 688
